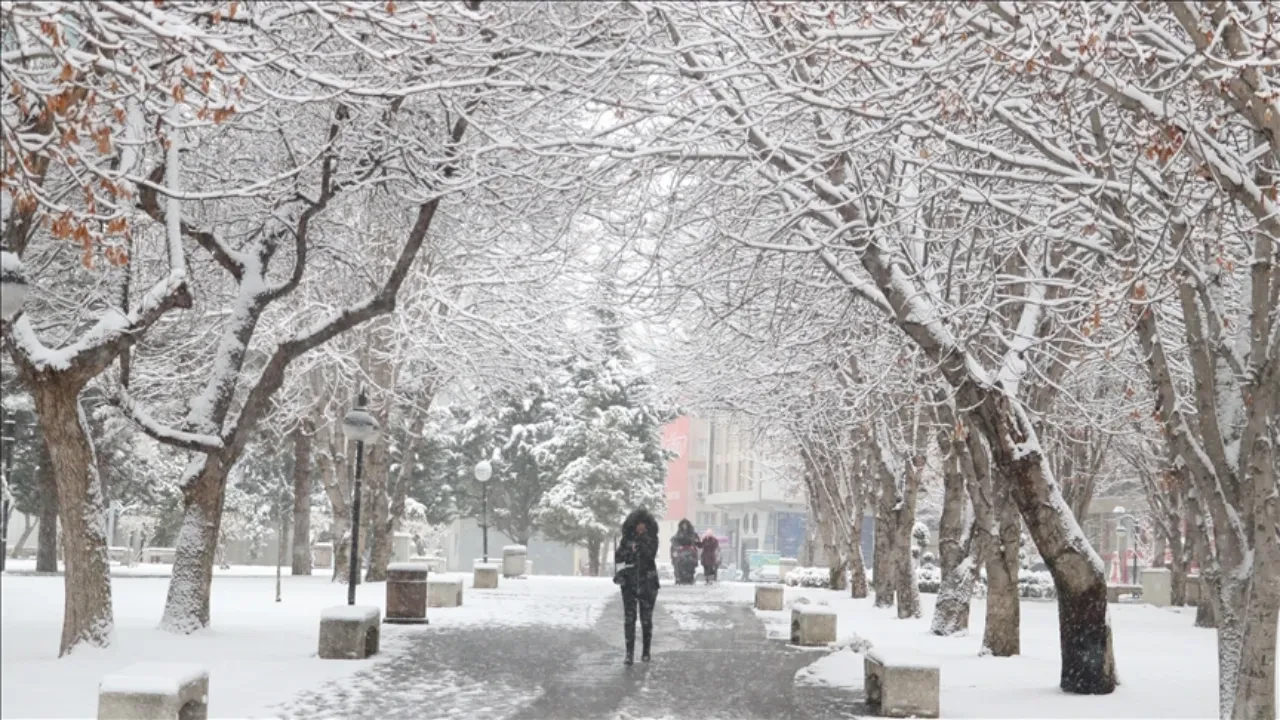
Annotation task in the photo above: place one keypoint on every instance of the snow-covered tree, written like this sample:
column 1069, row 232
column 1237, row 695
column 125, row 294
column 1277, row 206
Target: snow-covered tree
column 608, row 446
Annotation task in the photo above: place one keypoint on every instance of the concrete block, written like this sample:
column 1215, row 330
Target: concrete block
column 349, row 632
column 322, row 555
column 407, row 593
column 786, row 565
column 486, row 577
column 1157, row 586
column 1115, row 591
column 155, row 691
column 513, row 560
column 159, row 555
column 1195, row 589
column 444, row 593
column 769, row 597
column 899, row 687
column 812, row 625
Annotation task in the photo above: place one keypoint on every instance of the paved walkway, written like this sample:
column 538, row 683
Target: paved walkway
column 711, row 661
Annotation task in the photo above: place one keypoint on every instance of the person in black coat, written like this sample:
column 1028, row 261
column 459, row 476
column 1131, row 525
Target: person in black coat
column 637, row 573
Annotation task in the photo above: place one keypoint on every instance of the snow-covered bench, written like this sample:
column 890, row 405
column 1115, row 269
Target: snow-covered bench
column 444, row 593
column 812, row 625
column 349, row 632
column 769, row 597
column 155, row 691
column 899, row 687
column 485, row 576
column 1115, row 591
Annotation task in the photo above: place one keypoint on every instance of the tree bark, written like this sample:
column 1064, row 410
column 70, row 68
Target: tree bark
column 302, row 441
column 87, row 613
column 22, row 539
column 951, row 541
column 47, row 538
column 992, row 514
column 904, row 562
column 857, row 567
column 186, row 607
column 1003, row 634
column 882, row 576
column 593, row 551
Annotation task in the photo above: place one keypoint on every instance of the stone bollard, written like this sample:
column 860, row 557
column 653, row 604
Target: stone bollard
column 1157, row 587
column 513, row 560
column 155, row 691
column 322, row 554
column 785, row 566
column 407, row 593
column 444, row 593
column 812, row 625
column 769, row 597
column 349, row 632
column 1195, row 590
column 528, row 568
column 485, row 577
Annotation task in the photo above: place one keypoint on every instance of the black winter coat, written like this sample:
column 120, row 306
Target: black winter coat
column 640, row 552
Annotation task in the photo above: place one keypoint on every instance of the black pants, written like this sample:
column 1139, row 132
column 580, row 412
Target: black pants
column 643, row 599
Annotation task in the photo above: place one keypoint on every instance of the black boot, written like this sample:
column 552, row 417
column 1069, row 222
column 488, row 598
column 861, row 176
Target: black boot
column 648, row 640
column 631, row 645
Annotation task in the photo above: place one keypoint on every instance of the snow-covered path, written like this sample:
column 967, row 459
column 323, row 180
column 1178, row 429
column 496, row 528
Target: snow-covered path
column 710, row 660
column 551, row 647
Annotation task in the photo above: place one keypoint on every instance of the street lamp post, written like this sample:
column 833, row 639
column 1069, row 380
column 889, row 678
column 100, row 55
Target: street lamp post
column 484, row 471
column 359, row 427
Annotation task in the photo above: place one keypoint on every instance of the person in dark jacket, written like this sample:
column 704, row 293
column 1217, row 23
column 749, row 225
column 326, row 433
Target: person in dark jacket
column 636, row 572
column 685, row 537
column 710, row 556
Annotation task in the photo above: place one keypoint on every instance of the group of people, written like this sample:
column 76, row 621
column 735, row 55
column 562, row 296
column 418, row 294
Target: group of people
column 636, row 572
column 707, row 544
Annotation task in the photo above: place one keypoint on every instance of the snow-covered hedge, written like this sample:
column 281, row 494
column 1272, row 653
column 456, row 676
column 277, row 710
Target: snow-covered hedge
column 928, row 579
column 809, row 577
column 1032, row 584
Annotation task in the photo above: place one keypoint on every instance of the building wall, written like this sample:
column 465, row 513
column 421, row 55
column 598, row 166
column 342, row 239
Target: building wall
column 465, row 541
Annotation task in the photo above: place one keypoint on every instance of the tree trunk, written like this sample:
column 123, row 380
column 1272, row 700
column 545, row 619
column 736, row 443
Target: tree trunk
column 1177, row 572
column 87, row 614
column 1088, row 660
column 341, row 532
column 994, row 519
column 281, row 543
column 882, row 576
column 904, row 562
column 1003, row 634
column 47, row 538
column 186, row 609
column 22, row 539
column 593, row 551
column 857, row 567
column 951, row 613
column 302, row 498
column 380, row 523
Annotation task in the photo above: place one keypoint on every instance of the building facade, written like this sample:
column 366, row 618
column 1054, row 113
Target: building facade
column 718, row 481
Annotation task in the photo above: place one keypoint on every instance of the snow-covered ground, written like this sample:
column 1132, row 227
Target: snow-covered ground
column 1167, row 667
column 259, row 653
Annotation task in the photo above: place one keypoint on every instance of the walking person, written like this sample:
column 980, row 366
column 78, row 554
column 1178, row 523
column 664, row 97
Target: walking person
column 710, row 557
column 636, row 571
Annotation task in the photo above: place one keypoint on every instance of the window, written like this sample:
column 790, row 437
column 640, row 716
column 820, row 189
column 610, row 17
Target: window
column 701, row 448
column 700, row 484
